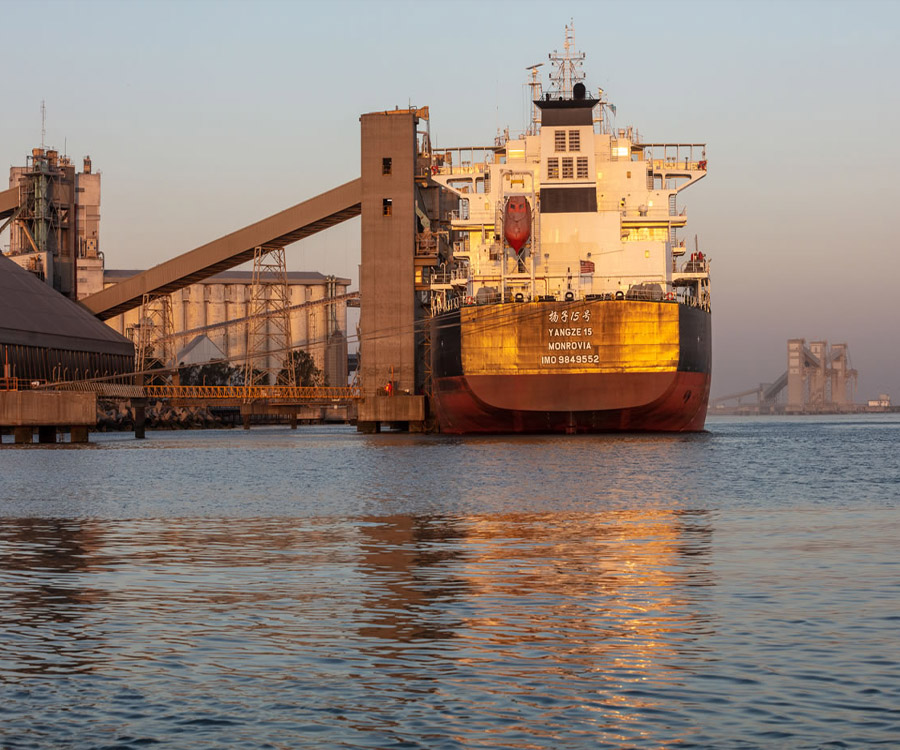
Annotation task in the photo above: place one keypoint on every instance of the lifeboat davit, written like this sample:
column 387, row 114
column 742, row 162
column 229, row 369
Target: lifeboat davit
column 517, row 221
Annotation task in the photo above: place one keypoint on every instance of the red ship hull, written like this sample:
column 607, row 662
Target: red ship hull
column 662, row 402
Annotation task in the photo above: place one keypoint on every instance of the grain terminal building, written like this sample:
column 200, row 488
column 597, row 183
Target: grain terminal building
column 217, row 306
column 55, row 234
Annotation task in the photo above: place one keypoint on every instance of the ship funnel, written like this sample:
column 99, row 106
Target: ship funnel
column 578, row 90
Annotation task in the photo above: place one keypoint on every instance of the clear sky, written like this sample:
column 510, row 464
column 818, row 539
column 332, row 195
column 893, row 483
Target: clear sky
column 205, row 116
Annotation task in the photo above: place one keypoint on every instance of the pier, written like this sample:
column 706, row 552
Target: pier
column 393, row 384
column 46, row 413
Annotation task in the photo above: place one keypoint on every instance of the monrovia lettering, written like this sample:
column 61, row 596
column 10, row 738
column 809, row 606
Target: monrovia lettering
column 568, row 345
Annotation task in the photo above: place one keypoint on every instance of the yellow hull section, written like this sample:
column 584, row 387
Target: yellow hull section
column 609, row 336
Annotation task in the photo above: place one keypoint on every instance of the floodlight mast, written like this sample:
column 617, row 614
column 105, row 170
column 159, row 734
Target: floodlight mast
column 536, row 92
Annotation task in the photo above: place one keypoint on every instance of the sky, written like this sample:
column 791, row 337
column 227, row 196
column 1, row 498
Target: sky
column 206, row 116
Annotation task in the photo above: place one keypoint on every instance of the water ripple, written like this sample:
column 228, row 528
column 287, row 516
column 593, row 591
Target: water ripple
column 503, row 613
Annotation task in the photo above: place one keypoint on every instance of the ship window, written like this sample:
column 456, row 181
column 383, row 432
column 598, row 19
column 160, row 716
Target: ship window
column 582, row 166
column 386, row 165
column 559, row 140
column 567, row 171
column 387, row 207
column 574, row 140
column 553, row 169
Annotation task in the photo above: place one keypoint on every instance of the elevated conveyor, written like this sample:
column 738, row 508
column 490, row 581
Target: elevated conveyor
column 293, row 224
column 766, row 393
column 9, row 203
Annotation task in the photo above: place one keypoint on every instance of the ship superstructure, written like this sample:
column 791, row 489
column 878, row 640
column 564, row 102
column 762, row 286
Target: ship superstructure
column 606, row 218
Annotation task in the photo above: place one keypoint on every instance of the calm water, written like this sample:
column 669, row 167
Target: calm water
column 319, row 588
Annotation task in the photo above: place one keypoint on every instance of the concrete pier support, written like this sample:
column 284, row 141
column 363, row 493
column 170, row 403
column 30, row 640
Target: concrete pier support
column 139, row 409
column 48, row 412
column 368, row 428
column 46, row 434
column 392, row 412
column 78, row 434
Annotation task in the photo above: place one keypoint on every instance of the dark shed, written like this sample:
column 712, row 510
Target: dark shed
column 45, row 336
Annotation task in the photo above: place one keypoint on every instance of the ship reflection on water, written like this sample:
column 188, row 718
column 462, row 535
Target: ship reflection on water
column 563, row 613
column 487, row 622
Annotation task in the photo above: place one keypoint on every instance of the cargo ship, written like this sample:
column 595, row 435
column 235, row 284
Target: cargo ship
column 571, row 302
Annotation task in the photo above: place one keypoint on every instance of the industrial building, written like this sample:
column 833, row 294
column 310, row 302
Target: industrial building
column 54, row 221
column 46, row 337
column 55, row 232
column 819, row 376
column 404, row 229
column 218, row 306
column 819, row 379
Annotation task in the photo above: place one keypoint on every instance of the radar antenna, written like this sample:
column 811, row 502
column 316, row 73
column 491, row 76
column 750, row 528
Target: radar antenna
column 567, row 66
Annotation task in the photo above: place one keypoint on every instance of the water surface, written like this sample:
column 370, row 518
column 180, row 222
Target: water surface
column 320, row 588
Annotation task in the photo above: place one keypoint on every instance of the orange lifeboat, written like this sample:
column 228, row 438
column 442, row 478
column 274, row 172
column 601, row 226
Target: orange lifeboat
column 517, row 221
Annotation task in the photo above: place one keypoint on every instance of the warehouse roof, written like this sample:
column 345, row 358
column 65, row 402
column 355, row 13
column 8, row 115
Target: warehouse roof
column 32, row 313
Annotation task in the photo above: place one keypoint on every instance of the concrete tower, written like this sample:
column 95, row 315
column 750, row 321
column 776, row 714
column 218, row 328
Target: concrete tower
column 387, row 271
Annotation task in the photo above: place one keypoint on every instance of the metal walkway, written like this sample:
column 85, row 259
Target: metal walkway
column 216, row 393
column 293, row 224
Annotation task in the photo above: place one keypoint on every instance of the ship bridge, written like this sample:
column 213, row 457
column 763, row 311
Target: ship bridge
column 673, row 166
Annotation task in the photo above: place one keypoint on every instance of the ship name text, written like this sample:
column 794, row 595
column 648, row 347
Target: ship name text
column 570, row 338
column 570, row 331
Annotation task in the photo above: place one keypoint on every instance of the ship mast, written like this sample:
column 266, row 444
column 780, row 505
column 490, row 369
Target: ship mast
column 567, row 66
column 535, row 85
